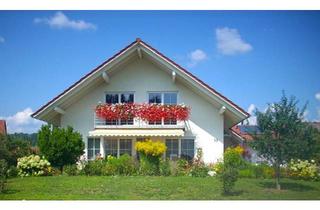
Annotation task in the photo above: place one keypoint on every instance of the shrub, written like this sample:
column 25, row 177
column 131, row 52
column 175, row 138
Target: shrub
column 232, row 161
column 126, row 165
column 198, row 167
column 247, row 173
column 165, row 168
column 70, row 170
column 33, row 165
column 94, row 168
column 3, row 174
column 303, row 169
column 150, row 153
column 12, row 171
column 62, row 146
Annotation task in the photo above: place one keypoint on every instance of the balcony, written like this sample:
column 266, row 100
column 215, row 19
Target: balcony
column 137, row 123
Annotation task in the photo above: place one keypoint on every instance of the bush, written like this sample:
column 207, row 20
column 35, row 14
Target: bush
column 232, row 161
column 150, row 154
column 70, row 170
column 247, row 173
column 3, row 174
column 304, row 169
column 12, row 171
column 62, row 146
column 33, row 165
column 198, row 167
column 165, row 169
column 94, row 168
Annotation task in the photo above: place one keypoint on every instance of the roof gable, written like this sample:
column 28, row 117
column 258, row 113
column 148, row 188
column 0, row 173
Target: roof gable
column 136, row 47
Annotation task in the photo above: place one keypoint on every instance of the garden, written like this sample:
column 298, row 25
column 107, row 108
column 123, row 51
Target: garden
column 57, row 170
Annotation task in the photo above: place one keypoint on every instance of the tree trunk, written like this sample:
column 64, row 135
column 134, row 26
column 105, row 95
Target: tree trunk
column 277, row 176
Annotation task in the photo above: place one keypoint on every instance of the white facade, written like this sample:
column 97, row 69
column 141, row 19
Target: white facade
column 140, row 75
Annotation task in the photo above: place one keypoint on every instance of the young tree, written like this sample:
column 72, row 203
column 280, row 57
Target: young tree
column 60, row 146
column 284, row 135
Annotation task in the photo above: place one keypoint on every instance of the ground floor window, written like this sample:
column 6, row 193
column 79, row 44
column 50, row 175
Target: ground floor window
column 172, row 148
column 187, row 149
column 93, row 148
column 117, row 147
column 111, row 147
column 125, row 146
column 183, row 148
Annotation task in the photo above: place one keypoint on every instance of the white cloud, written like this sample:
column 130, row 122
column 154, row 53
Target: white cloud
column 196, row 56
column 317, row 96
column 22, row 122
column 305, row 115
column 60, row 20
column 2, row 40
column 252, row 120
column 230, row 42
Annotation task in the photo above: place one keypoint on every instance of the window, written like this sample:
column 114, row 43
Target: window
column 155, row 98
column 125, row 147
column 172, row 148
column 111, row 147
column 93, row 148
column 187, row 149
column 113, row 98
column 169, row 98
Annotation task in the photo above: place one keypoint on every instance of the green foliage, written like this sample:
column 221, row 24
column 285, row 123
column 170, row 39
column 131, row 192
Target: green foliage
column 61, row 146
column 228, row 174
column 198, row 167
column 149, row 165
column 70, row 170
column 29, row 138
column 165, row 169
column 3, row 174
column 33, row 165
column 12, row 171
column 284, row 135
column 251, row 170
column 94, row 168
column 124, row 165
column 304, row 169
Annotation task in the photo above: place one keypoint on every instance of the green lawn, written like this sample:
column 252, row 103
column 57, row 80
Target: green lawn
column 151, row 188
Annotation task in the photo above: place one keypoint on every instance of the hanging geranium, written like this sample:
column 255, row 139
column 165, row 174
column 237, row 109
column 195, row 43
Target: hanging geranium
column 146, row 112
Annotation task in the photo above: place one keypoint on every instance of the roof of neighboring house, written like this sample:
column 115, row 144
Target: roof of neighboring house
column 3, row 127
column 315, row 125
column 245, row 131
column 144, row 46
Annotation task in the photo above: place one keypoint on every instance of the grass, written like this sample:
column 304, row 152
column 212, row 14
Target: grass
column 152, row 188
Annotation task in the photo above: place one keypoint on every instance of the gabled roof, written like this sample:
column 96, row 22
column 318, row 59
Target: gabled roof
column 139, row 44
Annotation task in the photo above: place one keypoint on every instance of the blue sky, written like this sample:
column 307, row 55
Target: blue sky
column 248, row 56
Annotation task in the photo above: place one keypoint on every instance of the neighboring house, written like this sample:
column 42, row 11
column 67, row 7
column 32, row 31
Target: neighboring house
column 3, row 127
column 242, row 135
column 141, row 74
column 315, row 125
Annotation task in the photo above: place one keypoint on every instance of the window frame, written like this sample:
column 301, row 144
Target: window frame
column 94, row 149
column 162, row 93
column 119, row 121
column 118, row 145
column 180, row 146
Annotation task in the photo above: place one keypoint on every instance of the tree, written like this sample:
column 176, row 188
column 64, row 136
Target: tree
column 283, row 134
column 61, row 146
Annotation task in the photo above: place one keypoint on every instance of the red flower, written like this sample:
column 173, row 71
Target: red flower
column 146, row 112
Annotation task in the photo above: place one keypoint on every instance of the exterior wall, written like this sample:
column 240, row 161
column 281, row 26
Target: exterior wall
column 140, row 77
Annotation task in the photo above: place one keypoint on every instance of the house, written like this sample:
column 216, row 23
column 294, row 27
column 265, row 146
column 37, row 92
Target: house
column 242, row 135
column 140, row 74
column 3, row 127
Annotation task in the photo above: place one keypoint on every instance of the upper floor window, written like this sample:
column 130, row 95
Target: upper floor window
column 113, row 98
column 169, row 98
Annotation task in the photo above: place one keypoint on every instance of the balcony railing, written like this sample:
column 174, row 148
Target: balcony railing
column 137, row 123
